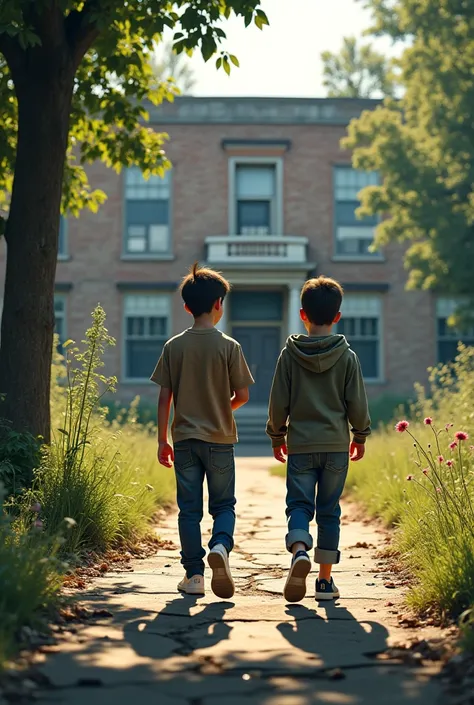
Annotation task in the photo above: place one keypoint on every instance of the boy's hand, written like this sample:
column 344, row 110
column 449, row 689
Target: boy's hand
column 357, row 451
column 280, row 453
column 165, row 454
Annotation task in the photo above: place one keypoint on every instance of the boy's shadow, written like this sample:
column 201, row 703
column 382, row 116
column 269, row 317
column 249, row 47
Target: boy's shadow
column 175, row 622
column 337, row 638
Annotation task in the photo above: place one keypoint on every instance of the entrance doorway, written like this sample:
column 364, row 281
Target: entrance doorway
column 256, row 318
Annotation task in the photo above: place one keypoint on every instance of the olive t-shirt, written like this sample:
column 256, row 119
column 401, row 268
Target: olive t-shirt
column 203, row 368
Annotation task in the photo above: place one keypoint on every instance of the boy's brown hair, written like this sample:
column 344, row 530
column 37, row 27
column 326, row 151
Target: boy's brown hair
column 201, row 288
column 321, row 300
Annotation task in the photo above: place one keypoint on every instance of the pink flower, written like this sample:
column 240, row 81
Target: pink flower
column 453, row 445
column 461, row 436
column 438, row 489
column 401, row 426
column 450, row 463
column 428, row 421
column 38, row 524
column 448, row 426
column 425, row 471
column 410, row 477
column 36, row 507
column 440, row 459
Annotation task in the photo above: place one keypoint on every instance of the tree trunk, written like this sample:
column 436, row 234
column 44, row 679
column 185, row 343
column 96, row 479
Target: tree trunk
column 44, row 90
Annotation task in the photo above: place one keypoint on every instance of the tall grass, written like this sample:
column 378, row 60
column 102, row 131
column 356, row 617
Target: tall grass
column 29, row 576
column 422, row 481
column 100, row 479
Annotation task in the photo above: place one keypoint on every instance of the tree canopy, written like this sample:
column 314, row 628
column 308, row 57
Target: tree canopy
column 357, row 72
column 167, row 65
column 112, row 44
column 75, row 82
column 423, row 144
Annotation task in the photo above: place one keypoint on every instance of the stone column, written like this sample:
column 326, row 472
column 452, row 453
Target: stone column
column 294, row 305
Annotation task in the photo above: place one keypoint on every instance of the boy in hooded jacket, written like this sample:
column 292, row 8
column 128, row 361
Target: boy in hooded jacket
column 317, row 394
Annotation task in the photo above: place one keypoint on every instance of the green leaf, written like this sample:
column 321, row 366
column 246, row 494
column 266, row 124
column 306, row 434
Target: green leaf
column 219, row 62
column 226, row 66
column 234, row 60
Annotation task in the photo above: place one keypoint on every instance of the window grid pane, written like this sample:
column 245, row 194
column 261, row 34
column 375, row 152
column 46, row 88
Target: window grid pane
column 362, row 333
column 147, row 213
column 146, row 331
column 353, row 236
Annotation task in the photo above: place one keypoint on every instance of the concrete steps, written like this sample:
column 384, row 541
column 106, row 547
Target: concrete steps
column 251, row 426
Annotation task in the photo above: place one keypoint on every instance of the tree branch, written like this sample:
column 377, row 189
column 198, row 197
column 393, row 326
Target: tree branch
column 81, row 28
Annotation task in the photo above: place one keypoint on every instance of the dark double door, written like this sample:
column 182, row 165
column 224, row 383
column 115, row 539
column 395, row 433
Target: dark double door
column 256, row 324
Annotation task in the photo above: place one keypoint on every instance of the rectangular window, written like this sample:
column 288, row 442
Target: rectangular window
column 255, row 199
column 448, row 338
column 146, row 328
column 60, row 319
column 147, row 213
column 360, row 323
column 62, row 241
column 353, row 236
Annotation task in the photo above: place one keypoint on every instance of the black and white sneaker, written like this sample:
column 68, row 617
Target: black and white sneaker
column 295, row 586
column 326, row 590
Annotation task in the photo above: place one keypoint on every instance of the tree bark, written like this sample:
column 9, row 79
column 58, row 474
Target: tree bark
column 44, row 85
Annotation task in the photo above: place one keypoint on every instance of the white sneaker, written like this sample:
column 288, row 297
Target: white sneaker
column 222, row 584
column 193, row 585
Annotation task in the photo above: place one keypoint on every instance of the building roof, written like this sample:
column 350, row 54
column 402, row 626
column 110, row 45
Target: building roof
column 188, row 110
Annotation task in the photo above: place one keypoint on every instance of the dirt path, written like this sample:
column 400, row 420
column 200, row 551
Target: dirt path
column 163, row 648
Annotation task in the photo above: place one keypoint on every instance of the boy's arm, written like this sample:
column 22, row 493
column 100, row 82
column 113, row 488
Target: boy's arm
column 162, row 376
column 241, row 397
column 165, row 450
column 279, row 408
column 357, row 410
column 239, row 377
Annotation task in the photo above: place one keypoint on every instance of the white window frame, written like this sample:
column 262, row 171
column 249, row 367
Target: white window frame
column 63, row 315
column 356, row 230
column 148, row 256
column 365, row 305
column 142, row 310
column 277, row 215
column 445, row 307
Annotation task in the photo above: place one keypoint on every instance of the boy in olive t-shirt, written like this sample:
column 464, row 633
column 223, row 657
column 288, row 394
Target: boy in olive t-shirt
column 204, row 373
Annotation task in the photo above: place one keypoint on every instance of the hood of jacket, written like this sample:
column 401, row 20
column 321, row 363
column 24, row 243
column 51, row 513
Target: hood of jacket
column 317, row 354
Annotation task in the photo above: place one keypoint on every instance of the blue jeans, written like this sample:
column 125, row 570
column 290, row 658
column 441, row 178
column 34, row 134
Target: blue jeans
column 194, row 460
column 314, row 483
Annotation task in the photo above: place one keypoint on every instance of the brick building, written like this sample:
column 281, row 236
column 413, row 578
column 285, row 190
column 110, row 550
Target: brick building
column 261, row 190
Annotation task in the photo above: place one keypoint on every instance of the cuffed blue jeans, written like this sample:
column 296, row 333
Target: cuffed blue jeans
column 194, row 460
column 315, row 482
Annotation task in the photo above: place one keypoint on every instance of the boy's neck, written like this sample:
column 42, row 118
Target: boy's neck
column 319, row 331
column 206, row 321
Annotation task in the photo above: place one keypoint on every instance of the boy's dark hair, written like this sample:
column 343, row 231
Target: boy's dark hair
column 201, row 288
column 321, row 300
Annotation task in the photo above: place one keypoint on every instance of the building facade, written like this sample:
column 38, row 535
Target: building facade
column 260, row 190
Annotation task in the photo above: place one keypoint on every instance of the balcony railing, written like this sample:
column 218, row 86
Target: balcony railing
column 256, row 249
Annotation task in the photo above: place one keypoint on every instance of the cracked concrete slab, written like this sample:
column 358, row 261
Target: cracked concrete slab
column 254, row 648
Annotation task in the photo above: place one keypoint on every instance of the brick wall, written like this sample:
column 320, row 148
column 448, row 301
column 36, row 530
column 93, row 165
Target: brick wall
column 200, row 209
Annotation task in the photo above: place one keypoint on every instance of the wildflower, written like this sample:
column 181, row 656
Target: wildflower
column 38, row 524
column 425, row 471
column 438, row 489
column 410, row 477
column 428, row 421
column 450, row 463
column 461, row 436
column 448, row 426
column 36, row 507
column 70, row 523
column 401, row 426
column 440, row 459
column 453, row 445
